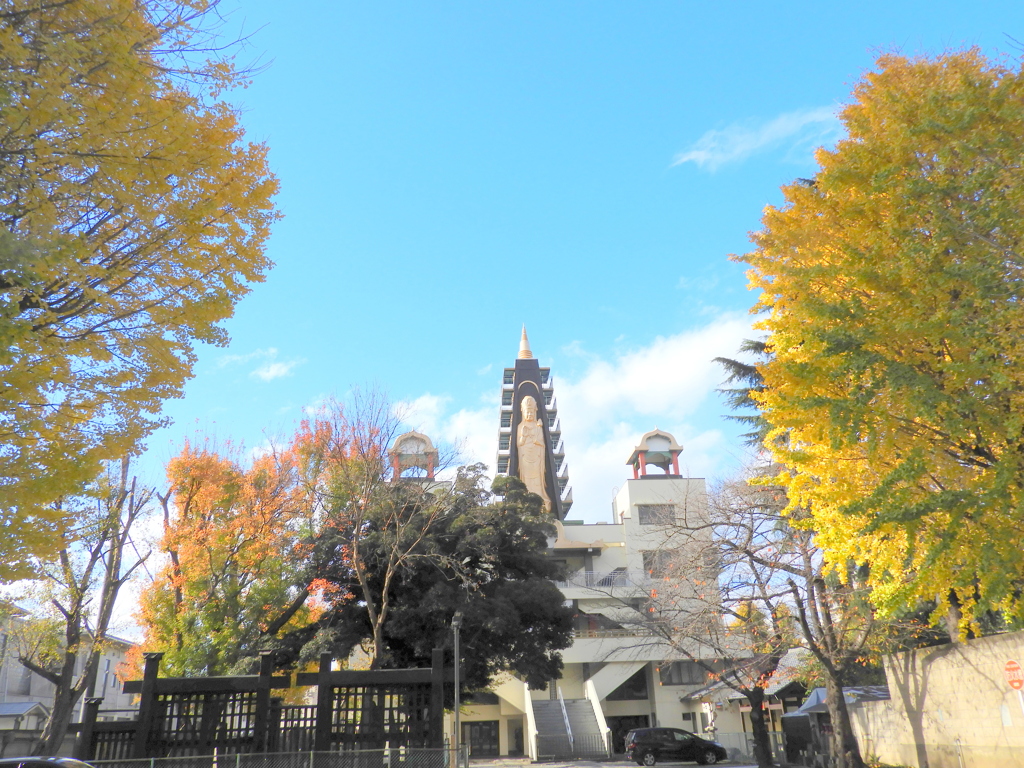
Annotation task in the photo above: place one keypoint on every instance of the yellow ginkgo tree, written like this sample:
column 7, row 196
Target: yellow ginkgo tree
column 893, row 290
column 133, row 216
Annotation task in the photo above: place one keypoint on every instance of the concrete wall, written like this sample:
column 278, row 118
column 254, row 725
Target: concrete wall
column 951, row 707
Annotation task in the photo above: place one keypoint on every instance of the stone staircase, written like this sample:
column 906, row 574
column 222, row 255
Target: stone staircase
column 552, row 738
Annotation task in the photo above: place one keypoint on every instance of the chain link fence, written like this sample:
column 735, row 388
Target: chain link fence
column 400, row 757
column 740, row 746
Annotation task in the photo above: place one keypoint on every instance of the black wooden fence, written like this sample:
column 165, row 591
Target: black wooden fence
column 354, row 710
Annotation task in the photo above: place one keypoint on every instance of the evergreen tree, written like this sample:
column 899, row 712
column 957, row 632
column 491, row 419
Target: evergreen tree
column 742, row 397
column 485, row 558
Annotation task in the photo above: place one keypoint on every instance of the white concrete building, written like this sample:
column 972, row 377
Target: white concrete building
column 617, row 674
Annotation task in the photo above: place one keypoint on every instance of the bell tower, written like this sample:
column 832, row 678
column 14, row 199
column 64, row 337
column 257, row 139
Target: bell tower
column 656, row 449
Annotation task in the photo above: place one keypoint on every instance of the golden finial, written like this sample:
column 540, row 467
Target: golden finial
column 524, row 347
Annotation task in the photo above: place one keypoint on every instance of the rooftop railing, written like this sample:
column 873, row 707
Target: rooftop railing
column 599, row 580
column 617, row 632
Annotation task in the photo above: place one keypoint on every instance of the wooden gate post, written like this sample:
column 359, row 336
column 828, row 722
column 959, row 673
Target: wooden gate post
column 147, row 705
column 83, row 747
column 261, row 718
column 437, row 698
column 324, row 706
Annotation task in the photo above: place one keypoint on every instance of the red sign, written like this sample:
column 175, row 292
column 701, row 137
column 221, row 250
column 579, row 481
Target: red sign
column 1014, row 675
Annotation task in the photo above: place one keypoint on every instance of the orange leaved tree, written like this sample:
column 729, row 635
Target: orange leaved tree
column 233, row 540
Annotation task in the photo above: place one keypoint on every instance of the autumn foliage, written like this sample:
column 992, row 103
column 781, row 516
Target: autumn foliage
column 893, row 284
column 317, row 547
column 133, row 216
column 232, row 537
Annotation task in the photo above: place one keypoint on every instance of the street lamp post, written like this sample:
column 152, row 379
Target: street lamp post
column 456, row 625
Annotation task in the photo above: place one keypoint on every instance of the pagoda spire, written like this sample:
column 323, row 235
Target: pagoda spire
column 529, row 436
column 524, row 347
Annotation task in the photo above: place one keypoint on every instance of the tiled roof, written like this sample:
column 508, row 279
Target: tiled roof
column 784, row 676
column 19, row 708
column 816, row 699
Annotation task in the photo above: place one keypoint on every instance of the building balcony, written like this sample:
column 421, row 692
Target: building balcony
column 619, row 632
column 603, row 580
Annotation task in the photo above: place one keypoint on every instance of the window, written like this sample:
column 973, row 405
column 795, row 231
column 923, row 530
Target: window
column 683, row 673
column 657, row 562
column 509, row 373
column 506, row 398
column 22, row 681
column 503, row 442
column 506, row 420
column 503, row 465
column 656, row 514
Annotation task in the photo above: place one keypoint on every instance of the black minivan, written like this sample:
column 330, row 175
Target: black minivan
column 647, row 746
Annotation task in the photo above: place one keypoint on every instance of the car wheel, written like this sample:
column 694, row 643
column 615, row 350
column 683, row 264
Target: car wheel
column 709, row 758
column 649, row 758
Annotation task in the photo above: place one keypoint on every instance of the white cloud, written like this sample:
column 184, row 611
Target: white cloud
column 699, row 284
column 271, row 369
column 275, row 369
column 266, row 448
column 598, row 469
column 803, row 129
column 258, row 354
column 315, row 405
column 471, row 433
column 668, row 379
column 667, row 383
column 422, row 414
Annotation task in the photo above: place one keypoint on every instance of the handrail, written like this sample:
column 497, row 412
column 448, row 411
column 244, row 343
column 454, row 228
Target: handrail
column 565, row 717
column 531, row 725
column 602, row 725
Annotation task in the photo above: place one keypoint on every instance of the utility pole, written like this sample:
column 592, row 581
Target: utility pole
column 456, row 625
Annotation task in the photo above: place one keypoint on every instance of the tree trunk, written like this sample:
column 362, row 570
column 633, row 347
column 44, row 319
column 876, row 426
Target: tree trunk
column 64, row 700
column 759, row 728
column 845, row 750
column 953, row 617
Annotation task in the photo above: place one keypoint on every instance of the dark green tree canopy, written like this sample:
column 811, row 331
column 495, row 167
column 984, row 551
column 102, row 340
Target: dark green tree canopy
column 487, row 558
column 747, row 381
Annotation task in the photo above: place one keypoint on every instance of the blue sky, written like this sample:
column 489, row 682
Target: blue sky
column 452, row 170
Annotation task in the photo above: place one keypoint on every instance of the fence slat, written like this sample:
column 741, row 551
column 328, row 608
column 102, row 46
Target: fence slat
column 227, row 717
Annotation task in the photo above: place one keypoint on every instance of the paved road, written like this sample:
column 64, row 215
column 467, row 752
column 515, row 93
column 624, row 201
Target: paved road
column 518, row 762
